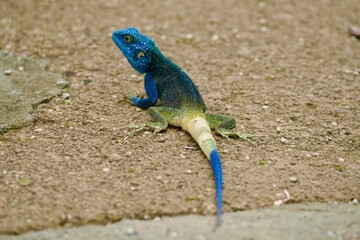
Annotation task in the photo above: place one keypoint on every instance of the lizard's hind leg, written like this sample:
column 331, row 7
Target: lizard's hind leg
column 161, row 118
column 224, row 126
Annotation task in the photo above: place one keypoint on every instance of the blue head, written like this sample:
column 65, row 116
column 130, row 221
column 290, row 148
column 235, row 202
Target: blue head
column 136, row 47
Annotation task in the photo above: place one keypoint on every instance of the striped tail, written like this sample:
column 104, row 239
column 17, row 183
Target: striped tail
column 200, row 131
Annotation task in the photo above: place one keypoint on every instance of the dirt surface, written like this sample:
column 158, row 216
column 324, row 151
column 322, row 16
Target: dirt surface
column 288, row 72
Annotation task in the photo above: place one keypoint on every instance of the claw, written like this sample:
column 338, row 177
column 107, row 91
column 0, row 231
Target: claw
column 228, row 134
column 138, row 127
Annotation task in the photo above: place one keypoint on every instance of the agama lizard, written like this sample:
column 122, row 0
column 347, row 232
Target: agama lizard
column 182, row 104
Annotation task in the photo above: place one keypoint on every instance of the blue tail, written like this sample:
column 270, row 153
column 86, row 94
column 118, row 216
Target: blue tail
column 216, row 168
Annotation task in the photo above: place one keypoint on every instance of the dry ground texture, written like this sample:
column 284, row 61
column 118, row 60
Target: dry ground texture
column 287, row 71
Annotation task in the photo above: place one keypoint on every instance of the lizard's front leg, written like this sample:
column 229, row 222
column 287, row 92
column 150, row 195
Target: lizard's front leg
column 151, row 92
column 224, row 126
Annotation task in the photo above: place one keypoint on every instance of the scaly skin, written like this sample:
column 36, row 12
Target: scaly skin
column 182, row 104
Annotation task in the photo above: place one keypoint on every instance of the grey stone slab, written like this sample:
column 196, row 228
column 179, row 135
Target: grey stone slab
column 24, row 84
column 296, row 221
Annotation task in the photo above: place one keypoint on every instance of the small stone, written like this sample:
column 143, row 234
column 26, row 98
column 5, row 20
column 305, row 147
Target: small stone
column 189, row 36
column 66, row 95
column 182, row 156
column 214, row 38
column 157, row 219
column 38, row 130
column 128, row 153
column 105, row 170
column 62, row 83
column 189, row 148
column 162, row 139
column 278, row 203
column 265, row 107
column 87, row 81
column 293, row 179
column 21, row 68
column 278, row 129
column 131, row 232
column 355, row 31
column 354, row 201
column 8, row 72
column 341, row 159
column 283, row 140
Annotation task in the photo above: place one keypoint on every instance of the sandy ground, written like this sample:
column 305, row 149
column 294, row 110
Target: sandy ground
column 288, row 72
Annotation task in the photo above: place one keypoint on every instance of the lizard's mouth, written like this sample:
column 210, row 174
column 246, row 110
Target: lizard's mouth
column 116, row 38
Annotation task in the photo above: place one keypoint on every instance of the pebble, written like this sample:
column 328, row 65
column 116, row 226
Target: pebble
column 293, row 179
column 66, row 95
column 62, row 83
column 278, row 203
column 341, row 159
column 106, row 169
column 278, row 129
column 87, row 81
column 215, row 38
column 128, row 153
column 354, row 201
column 283, row 140
column 8, row 72
column 38, row 130
column 130, row 232
column 189, row 36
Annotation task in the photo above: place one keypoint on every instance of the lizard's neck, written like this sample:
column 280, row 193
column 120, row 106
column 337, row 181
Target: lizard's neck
column 161, row 63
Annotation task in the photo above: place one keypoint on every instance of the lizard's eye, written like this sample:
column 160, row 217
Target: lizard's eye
column 128, row 38
column 140, row 54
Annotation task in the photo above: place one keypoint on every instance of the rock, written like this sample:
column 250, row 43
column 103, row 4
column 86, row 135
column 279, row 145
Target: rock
column 24, row 85
column 293, row 179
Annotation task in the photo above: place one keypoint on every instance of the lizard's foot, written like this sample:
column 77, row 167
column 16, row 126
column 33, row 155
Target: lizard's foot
column 126, row 98
column 139, row 127
column 130, row 98
column 227, row 133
